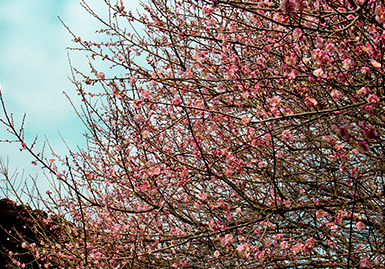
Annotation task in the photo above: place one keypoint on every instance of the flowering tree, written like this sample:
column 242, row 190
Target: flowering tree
column 251, row 137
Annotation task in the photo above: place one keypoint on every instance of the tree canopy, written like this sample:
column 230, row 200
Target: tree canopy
column 227, row 134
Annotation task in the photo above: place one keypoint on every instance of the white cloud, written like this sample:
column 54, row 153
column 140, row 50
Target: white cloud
column 34, row 68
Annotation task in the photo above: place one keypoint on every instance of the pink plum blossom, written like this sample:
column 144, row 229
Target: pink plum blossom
column 375, row 63
column 336, row 94
column 287, row 135
column 275, row 101
column 311, row 102
column 319, row 73
column 284, row 245
column 176, row 101
column 216, row 254
column 363, row 146
column 262, row 164
column 246, row 120
column 366, row 263
column 228, row 240
column 297, row 248
column 101, row 76
column 260, row 256
column 360, row 225
column 348, row 64
column 373, row 99
column 297, row 34
column 362, row 91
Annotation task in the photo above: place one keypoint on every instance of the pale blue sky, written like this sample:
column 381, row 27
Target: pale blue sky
column 34, row 69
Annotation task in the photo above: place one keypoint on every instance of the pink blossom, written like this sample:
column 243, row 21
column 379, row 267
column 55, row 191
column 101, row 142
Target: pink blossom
column 275, row 101
column 246, row 120
column 176, row 101
column 146, row 95
column 189, row 73
column 365, row 70
column 208, row 10
column 133, row 79
column 284, row 245
column 368, row 130
column 342, row 131
column 362, row 91
column 291, row 75
column 156, row 171
column 319, row 72
column 360, row 225
column 310, row 244
column 288, row 6
column 369, row 109
column 101, row 75
column 331, row 225
column 370, row 133
column 319, row 43
column 373, row 99
column 375, row 63
column 297, row 34
column 297, row 248
column 228, row 240
column 244, row 250
column 306, row 60
column 331, row 48
column 355, row 152
column 262, row 164
column 366, row 263
column 216, row 254
column 311, row 102
column 137, row 103
column 332, row 244
column 363, row 146
column 277, row 237
column 287, row 136
column 336, row 94
column 348, row 64
column 380, row 13
column 146, row 134
column 260, row 256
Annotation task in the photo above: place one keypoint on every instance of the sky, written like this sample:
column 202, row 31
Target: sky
column 34, row 73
